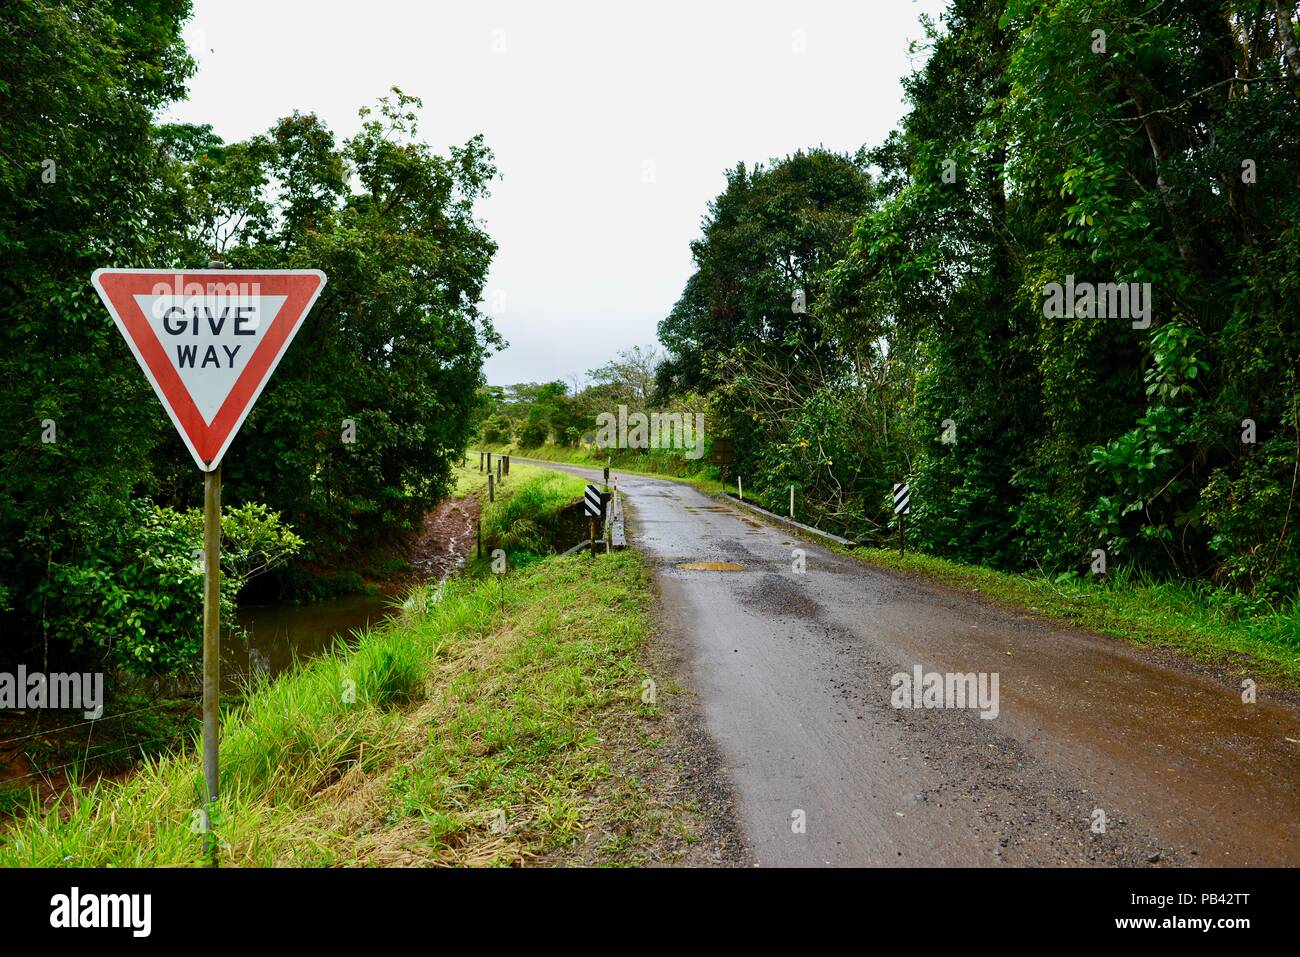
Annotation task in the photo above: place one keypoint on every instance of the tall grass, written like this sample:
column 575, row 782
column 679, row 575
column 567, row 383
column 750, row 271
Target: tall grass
column 486, row 695
column 530, row 511
column 290, row 737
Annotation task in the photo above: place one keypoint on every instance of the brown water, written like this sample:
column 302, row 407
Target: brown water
column 280, row 636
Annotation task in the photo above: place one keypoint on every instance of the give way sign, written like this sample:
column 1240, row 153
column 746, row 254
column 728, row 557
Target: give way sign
column 208, row 340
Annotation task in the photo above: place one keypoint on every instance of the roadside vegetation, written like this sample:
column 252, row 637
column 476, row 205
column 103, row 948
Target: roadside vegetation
column 653, row 462
column 499, row 720
column 898, row 313
column 485, row 697
column 351, row 443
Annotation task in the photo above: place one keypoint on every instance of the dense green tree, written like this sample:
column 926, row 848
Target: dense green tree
column 1115, row 142
column 88, row 562
column 80, row 177
column 396, row 343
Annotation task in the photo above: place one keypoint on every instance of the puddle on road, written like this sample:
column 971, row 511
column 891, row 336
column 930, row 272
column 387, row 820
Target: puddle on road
column 712, row 566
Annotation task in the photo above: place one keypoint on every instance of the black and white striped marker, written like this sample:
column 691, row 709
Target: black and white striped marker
column 902, row 499
column 591, row 501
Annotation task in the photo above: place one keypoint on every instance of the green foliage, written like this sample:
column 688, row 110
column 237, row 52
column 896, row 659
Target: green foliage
column 1027, row 156
column 395, row 343
column 1251, row 512
column 136, row 601
column 528, row 516
column 79, row 175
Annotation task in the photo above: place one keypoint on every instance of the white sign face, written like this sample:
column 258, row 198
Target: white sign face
column 209, row 339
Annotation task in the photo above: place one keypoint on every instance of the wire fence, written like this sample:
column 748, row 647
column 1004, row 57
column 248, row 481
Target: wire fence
column 89, row 723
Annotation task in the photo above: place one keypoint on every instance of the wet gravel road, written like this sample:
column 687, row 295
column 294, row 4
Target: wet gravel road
column 793, row 673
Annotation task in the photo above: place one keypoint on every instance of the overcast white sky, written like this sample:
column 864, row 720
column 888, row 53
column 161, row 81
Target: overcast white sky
column 612, row 125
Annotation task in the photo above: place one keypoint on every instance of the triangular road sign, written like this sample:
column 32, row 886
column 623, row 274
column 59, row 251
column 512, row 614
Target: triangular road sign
column 208, row 340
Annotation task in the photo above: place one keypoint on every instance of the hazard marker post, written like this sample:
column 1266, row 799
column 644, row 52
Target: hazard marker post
column 208, row 340
column 594, row 506
column 902, row 507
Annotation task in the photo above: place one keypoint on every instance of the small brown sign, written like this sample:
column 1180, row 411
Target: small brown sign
column 724, row 451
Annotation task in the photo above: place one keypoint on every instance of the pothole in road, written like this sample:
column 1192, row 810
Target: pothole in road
column 712, row 566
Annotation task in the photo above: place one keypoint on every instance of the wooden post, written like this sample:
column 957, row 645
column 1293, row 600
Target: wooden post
column 792, row 501
column 901, row 546
column 606, row 476
column 491, row 488
column 593, row 537
column 480, row 461
column 211, row 646
column 498, row 470
column 507, row 465
column 489, row 463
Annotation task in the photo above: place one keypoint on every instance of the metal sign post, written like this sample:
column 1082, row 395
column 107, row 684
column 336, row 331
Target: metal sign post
column 211, row 648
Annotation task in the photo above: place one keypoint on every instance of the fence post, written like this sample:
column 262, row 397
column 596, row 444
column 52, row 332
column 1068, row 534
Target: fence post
column 792, row 501
column 492, row 496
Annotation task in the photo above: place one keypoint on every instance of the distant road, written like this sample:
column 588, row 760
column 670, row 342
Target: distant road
column 794, row 676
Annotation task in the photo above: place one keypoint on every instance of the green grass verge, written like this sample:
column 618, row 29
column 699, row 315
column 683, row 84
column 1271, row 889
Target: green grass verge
column 482, row 706
column 531, row 512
